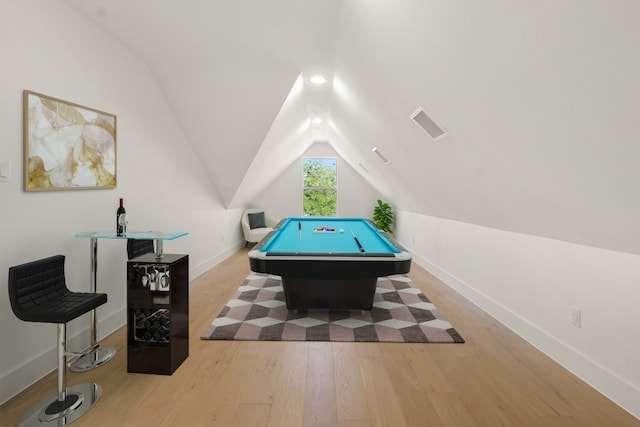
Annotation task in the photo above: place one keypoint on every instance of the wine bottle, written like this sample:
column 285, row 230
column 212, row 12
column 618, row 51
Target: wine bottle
column 121, row 220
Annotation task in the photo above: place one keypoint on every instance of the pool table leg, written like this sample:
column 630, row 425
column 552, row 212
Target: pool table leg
column 339, row 294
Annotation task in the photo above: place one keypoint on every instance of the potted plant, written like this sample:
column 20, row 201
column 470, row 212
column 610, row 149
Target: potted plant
column 383, row 216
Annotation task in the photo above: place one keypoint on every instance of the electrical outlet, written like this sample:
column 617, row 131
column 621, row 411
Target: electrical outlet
column 576, row 317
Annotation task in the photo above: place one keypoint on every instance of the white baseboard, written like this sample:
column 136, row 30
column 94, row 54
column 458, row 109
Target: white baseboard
column 216, row 259
column 615, row 388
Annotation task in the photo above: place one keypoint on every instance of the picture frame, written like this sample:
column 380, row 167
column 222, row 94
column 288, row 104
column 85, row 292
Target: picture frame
column 67, row 146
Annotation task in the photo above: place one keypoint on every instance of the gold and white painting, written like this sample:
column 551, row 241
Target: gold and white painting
column 67, row 146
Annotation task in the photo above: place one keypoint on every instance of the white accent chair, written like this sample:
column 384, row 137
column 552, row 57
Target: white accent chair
column 256, row 234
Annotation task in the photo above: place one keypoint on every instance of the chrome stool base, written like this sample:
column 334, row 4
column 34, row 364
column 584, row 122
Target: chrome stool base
column 93, row 359
column 87, row 395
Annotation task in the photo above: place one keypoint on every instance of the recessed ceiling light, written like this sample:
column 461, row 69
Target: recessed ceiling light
column 318, row 80
column 317, row 121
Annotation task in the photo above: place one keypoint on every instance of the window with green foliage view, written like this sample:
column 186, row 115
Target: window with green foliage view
column 320, row 187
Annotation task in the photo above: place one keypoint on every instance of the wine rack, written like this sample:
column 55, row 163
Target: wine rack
column 157, row 313
column 151, row 325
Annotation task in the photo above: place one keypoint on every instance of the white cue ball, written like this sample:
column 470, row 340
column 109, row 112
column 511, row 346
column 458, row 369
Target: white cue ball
column 342, row 230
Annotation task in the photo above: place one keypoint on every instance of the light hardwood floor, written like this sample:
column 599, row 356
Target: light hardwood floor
column 494, row 379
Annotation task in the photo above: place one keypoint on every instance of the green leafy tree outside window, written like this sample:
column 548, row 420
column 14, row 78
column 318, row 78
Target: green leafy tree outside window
column 320, row 180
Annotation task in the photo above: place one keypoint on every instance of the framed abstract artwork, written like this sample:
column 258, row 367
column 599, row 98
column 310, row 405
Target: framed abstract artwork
column 67, row 146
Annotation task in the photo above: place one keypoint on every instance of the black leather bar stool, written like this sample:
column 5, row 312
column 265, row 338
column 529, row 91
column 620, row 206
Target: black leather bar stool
column 38, row 293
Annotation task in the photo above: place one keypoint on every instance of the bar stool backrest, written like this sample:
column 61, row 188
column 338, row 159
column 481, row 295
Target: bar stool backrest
column 32, row 284
column 136, row 247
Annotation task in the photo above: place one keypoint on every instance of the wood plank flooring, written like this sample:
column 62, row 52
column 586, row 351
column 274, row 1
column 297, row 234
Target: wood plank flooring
column 494, row 379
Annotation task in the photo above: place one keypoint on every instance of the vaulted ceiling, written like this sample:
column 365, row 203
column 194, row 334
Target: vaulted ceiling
column 538, row 101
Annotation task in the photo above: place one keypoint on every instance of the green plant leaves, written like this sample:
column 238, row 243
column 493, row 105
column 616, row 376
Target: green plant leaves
column 383, row 216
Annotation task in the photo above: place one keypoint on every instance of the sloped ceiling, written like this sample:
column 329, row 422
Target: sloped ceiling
column 539, row 101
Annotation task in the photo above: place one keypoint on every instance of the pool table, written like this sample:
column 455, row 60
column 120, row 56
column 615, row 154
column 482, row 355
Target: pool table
column 328, row 262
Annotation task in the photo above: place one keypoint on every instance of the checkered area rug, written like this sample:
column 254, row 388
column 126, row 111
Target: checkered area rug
column 400, row 313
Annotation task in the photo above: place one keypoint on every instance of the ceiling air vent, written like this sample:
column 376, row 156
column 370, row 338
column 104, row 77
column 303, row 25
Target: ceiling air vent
column 381, row 156
column 427, row 124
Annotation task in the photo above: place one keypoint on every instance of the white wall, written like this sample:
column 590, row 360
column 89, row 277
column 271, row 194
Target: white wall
column 47, row 47
column 538, row 99
column 530, row 284
column 283, row 198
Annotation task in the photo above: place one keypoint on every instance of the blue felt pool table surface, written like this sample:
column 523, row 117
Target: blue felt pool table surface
column 301, row 236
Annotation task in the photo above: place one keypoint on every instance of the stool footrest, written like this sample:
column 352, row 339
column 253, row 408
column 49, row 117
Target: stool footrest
column 92, row 360
column 78, row 354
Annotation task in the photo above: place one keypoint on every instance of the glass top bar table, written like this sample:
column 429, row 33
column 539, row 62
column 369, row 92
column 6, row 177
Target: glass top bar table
column 95, row 356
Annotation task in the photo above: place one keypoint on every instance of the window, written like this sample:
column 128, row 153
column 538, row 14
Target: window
column 320, row 187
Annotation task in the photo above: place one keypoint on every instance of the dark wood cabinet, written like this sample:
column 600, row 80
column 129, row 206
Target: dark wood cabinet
column 157, row 313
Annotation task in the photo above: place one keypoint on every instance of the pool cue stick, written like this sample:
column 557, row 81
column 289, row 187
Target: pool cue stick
column 357, row 241
column 300, row 229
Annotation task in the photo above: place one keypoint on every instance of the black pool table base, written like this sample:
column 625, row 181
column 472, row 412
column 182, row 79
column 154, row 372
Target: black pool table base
column 337, row 294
